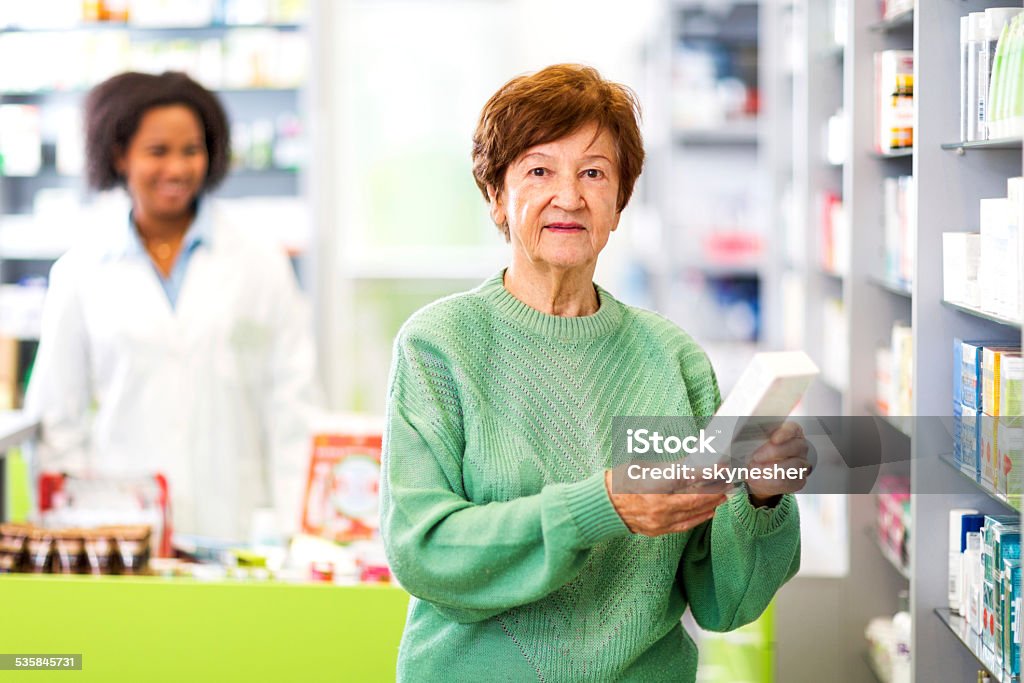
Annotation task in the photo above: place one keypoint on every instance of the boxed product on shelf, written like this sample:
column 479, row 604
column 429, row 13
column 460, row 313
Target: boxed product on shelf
column 902, row 342
column 895, row 8
column 893, row 521
column 969, row 384
column 835, row 347
column 835, row 234
column 1000, row 541
column 1011, row 635
column 344, row 475
column 980, row 54
column 1003, row 607
column 970, row 442
column 899, row 225
column 988, row 450
column 894, row 100
column 1004, row 98
column 1010, row 445
column 970, row 598
column 999, row 269
column 958, row 422
column 961, row 257
column 883, row 381
column 992, row 376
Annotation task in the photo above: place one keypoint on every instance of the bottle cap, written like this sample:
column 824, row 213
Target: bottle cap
column 976, row 26
column 996, row 18
column 969, row 524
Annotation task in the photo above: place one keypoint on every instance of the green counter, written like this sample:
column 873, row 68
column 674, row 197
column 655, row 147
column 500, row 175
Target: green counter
column 150, row 629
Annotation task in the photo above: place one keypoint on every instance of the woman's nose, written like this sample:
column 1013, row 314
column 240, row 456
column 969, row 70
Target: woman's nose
column 178, row 165
column 568, row 195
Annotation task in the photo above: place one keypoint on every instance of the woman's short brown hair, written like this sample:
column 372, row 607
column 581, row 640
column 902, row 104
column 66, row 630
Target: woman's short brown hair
column 114, row 108
column 546, row 106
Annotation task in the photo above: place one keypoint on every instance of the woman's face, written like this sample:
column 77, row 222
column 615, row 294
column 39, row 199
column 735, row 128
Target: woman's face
column 165, row 163
column 560, row 200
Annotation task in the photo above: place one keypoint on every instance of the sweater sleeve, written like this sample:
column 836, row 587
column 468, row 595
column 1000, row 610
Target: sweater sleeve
column 472, row 561
column 733, row 565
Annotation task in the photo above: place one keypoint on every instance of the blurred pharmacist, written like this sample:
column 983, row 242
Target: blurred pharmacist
column 497, row 509
column 175, row 342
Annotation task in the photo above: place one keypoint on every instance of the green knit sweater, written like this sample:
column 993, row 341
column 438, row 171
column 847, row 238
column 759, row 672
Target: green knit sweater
column 494, row 509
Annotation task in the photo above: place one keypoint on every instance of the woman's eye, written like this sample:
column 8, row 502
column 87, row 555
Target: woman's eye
column 538, row 172
column 593, row 173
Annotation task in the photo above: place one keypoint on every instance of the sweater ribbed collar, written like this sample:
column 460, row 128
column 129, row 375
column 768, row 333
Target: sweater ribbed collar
column 608, row 317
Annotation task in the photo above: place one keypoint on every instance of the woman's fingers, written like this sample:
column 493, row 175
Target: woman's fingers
column 771, row 452
column 692, row 522
column 785, row 432
column 657, row 514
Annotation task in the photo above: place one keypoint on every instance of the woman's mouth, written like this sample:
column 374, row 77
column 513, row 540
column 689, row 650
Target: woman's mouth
column 565, row 227
column 173, row 190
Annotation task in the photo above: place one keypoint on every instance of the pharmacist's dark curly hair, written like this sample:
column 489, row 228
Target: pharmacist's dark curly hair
column 114, row 108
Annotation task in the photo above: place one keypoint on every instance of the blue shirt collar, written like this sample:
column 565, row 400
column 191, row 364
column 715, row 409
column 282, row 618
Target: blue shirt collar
column 128, row 243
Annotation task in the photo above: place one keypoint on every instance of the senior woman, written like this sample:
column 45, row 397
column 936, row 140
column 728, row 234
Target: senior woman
column 497, row 509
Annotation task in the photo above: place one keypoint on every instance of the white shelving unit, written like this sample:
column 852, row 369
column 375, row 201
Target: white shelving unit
column 950, row 179
column 949, row 187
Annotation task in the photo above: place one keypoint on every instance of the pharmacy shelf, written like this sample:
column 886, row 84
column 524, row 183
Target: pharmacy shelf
column 895, row 154
column 715, row 270
column 1003, row 143
column 135, row 28
column 889, row 556
column 994, row 495
column 871, row 305
column 982, row 314
column 904, row 424
column 896, row 287
column 900, row 22
column 972, row 641
column 743, row 134
column 833, row 52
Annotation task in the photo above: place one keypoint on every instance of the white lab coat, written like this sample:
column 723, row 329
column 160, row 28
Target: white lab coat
column 216, row 393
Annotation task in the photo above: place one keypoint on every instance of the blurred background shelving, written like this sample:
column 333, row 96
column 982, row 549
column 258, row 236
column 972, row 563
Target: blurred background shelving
column 255, row 55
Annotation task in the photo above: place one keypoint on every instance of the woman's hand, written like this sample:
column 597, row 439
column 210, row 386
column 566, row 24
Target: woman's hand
column 656, row 514
column 787, row 448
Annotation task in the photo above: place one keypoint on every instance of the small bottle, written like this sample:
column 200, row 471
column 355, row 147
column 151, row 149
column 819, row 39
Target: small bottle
column 964, row 109
column 975, row 38
column 40, row 551
column 901, row 627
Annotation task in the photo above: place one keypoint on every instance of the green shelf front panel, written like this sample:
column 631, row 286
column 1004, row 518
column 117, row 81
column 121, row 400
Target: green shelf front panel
column 150, row 629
